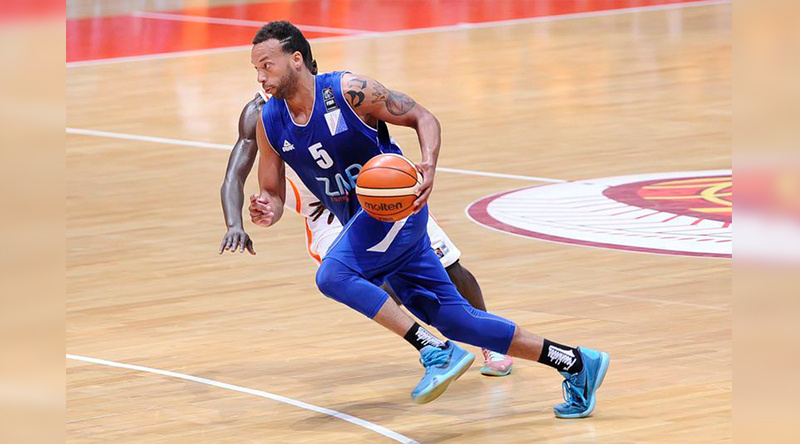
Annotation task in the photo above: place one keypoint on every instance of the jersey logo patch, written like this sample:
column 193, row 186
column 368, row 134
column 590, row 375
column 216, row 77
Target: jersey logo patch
column 335, row 122
column 440, row 249
column 327, row 97
column 287, row 146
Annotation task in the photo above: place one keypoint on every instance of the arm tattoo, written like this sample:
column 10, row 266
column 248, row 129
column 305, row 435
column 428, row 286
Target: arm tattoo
column 380, row 93
column 357, row 83
column 355, row 91
column 397, row 103
column 356, row 97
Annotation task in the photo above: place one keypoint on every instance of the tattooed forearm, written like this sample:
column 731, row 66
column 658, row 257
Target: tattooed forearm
column 355, row 91
column 399, row 103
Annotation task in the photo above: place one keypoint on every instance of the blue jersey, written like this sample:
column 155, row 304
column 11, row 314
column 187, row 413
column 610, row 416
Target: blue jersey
column 328, row 152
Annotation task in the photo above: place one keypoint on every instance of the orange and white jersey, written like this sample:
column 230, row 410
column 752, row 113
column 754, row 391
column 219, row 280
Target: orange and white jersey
column 298, row 197
column 319, row 233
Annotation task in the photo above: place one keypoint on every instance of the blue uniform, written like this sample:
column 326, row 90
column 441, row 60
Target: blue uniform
column 327, row 153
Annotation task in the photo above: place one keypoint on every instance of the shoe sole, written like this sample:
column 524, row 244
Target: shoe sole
column 486, row 371
column 605, row 359
column 437, row 391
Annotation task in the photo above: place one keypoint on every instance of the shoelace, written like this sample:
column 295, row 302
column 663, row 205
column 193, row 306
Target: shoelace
column 433, row 357
column 569, row 392
column 495, row 357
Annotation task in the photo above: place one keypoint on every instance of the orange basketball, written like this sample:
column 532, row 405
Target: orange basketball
column 387, row 187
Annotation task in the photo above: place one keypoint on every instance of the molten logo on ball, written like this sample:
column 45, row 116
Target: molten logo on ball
column 383, row 206
column 387, row 187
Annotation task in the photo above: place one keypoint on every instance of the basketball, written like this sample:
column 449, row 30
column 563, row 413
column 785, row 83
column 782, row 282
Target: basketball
column 387, row 187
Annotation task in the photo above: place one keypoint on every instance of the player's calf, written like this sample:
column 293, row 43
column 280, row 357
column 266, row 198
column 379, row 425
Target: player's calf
column 494, row 363
column 463, row 323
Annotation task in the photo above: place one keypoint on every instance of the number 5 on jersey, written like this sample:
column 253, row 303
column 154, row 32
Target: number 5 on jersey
column 321, row 156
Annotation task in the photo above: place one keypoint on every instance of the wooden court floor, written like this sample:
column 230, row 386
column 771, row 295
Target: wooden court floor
column 570, row 99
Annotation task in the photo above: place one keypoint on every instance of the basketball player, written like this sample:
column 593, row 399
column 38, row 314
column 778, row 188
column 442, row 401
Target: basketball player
column 325, row 127
column 322, row 227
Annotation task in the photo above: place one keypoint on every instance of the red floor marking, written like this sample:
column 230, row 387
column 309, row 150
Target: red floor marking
column 393, row 15
column 15, row 11
column 123, row 36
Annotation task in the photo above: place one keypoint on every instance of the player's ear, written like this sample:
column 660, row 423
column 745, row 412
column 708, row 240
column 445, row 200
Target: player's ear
column 297, row 59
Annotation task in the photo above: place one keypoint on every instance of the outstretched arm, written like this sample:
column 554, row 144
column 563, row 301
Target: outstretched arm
column 266, row 207
column 372, row 101
column 240, row 163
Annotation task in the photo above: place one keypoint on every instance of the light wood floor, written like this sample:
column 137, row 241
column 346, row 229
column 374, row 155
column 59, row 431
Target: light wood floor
column 572, row 99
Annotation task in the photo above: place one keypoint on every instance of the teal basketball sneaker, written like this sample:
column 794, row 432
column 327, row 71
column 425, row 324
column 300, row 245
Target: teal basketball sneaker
column 442, row 366
column 579, row 388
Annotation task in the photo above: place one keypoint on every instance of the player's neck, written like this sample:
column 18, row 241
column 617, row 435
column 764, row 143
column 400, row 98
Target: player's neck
column 301, row 103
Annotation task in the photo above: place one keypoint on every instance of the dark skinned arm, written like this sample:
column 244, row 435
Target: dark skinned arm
column 240, row 163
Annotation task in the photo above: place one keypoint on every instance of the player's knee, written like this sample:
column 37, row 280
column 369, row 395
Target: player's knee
column 455, row 323
column 329, row 278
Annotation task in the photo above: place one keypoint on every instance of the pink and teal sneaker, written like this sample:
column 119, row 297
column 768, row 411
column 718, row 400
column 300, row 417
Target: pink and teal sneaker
column 496, row 364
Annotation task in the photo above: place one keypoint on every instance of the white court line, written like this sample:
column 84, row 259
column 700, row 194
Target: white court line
column 219, row 146
column 500, row 175
column 240, row 22
column 85, row 132
column 262, row 394
column 405, row 32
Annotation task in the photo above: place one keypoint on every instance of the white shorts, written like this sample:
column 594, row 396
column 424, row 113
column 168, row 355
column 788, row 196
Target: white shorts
column 320, row 235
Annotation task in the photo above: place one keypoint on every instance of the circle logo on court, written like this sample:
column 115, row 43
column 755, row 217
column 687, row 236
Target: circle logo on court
column 688, row 214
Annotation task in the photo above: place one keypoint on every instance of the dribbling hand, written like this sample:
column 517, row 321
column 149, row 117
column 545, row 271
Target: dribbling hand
column 427, row 171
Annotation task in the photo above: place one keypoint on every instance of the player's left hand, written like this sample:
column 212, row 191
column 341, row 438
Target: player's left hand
column 427, row 171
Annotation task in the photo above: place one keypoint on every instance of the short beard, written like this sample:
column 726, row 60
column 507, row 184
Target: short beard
column 287, row 85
